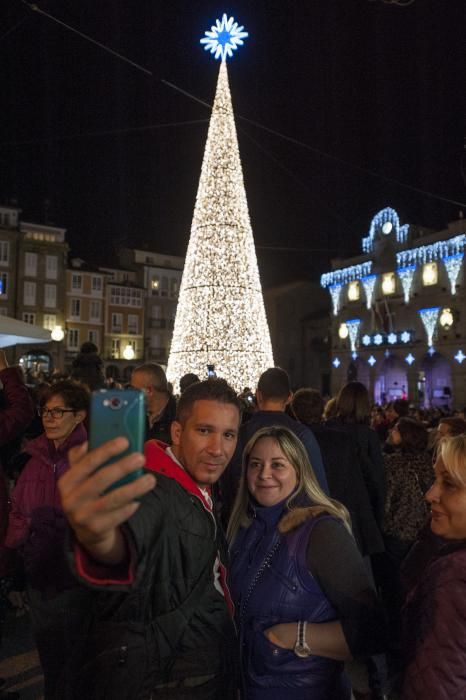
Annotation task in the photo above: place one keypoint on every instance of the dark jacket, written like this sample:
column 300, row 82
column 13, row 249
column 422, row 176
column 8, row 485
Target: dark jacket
column 168, row 618
column 160, row 429
column 272, row 584
column 37, row 525
column 87, row 368
column 434, row 622
column 347, row 485
column 368, row 453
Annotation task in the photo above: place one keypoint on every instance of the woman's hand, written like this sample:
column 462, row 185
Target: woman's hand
column 283, row 635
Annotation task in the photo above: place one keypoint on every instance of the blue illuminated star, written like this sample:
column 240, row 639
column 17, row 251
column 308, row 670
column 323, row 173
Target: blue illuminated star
column 460, row 356
column 378, row 339
column 405, row 337
column 372, row 360
column 336, row 363
column 366, row 340
column 409, row 359
column 392, row 338
column 224, row 38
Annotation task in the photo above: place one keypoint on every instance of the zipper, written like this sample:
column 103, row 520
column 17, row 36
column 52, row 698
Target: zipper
column 259, row 573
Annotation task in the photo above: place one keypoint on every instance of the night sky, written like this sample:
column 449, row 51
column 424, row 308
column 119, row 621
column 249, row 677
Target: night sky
column 368, row 95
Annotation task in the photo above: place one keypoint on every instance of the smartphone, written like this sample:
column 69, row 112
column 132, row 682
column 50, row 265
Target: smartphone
column 118, row 413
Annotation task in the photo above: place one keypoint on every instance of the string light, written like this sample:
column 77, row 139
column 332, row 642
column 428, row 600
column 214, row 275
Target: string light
column 369, row 284
column 435, row 251
column 346, row 274
column 335, row 293
column 220, row 318
column 453, row 266
column 429, row 318
column 406, row 275
column 353, row 329
column 385, row 220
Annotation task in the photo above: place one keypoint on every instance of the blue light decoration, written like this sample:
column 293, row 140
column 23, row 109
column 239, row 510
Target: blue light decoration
column 224, row 37
column 460, row 356
column 391, row 338
column 429, row 318
column 353, row 329
column 405, row 337
column 409, row 359
column 346, row 274
column 383, row 217
column 406, row 275
column 372, row 360
column 429, row 253
column 366, row 339
column 335, row 293
column 453, row 266
column 354, row 355
column 336, row 363
column 431, row 351
column 368, row 283
column 378, row 339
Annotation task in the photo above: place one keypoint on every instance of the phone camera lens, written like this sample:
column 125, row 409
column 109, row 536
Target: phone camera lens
column 115, row 402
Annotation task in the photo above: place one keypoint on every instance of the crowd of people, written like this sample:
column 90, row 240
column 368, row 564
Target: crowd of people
column 278, row 544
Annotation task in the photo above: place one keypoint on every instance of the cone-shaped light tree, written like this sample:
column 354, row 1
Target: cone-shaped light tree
column 220, row 318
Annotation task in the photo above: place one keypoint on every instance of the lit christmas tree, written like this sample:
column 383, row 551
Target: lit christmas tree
column 220, row 319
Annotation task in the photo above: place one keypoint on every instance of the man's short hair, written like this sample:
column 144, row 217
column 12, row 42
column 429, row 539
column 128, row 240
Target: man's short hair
column 401, row 407
column 274, row 383
column 188, row 379
column 308, row 405
column 214, row 389
column 156, row 374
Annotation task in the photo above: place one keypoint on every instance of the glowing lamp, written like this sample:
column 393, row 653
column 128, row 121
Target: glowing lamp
column 429, row 274
column 353, row 291
column 58, row 334
column 343, row 331
column 446, row 319
column 128, row 352
column 388, row 283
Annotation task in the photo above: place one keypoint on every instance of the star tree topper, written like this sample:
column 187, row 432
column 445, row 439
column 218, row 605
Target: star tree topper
column 224, row 38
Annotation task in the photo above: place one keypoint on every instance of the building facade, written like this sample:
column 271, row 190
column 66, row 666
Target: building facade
column 399, row 316
column 85, row 290
column 160, row 275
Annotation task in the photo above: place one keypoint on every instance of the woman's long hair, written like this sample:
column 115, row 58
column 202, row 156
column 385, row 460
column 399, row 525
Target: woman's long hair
column 453, row 454
column 353, row 405
column 307, row 489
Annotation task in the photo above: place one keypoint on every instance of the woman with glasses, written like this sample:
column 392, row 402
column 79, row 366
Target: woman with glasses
column 37, row 529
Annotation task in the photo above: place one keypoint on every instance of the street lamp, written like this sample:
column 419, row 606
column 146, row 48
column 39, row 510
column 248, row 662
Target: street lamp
column 128, row 352
column 58, row 334
column 446, row 319
column 343, row 331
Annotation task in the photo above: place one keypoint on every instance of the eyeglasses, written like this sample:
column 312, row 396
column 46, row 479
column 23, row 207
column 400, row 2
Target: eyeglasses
column 55, row 412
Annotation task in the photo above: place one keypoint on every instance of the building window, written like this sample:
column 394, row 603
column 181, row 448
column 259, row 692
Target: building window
column 73, row 339
column 4, row 285
column 29, row 293
column 50, row 321
column 133, row 324
column 164, row 292
column 30, row 264
column 354, row 291
column 94, row 337
column 174, row 288
column 51, row 267
column 50, row 295
column 117, row 322
column 429, row 274
column 155, row 286
column 4, row 252
column 388, row 283
column 29, row 318
column 75, row 308
column 76, row 281
column 96, row 284
column 115, row 348
column 96, row 311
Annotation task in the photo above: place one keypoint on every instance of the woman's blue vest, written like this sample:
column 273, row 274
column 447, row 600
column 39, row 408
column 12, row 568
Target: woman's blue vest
column 271, row 584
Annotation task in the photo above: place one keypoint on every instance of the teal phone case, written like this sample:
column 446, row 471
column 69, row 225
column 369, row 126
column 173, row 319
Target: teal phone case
column 116, row 413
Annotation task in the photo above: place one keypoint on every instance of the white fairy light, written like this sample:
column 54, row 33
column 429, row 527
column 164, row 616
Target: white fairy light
column 406, row 275
column 220, row 318
column 453, row 266
column 429, row 318
column 369, row 284
column 353, row 329
column 335, row 293
column 346, row 274
column 386, row 220
column 429, row 253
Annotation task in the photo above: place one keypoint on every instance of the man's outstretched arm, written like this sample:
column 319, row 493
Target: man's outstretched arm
column 95, row 516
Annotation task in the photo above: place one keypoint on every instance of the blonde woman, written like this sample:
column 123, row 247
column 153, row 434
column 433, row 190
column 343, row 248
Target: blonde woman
column 304, row 602
column 434, row 615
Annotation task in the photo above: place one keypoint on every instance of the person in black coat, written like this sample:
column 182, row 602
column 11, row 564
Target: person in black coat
column 87, row 367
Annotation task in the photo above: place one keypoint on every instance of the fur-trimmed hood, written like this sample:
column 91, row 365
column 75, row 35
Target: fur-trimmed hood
column 297, row 516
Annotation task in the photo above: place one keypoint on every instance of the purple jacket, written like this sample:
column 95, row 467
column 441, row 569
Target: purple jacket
column 36, row 524
column 434, row 625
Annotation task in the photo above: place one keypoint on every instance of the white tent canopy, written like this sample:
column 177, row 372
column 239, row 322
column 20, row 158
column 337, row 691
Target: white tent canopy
column 14, row 332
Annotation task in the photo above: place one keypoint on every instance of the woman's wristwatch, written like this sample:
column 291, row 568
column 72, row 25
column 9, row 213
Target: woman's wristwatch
column 301, row 648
